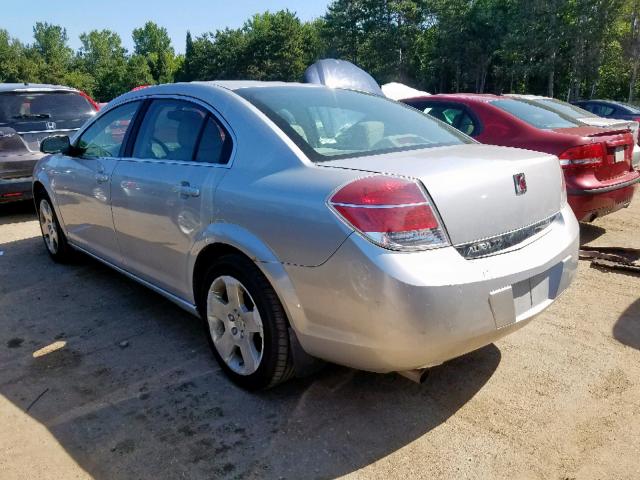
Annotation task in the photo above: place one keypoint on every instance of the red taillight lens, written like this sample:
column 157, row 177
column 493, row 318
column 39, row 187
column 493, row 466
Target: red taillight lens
column 392, row 212
column 592, row 155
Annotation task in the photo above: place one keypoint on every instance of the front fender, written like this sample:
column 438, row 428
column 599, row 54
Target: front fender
column 42, row 176
column 264, row 258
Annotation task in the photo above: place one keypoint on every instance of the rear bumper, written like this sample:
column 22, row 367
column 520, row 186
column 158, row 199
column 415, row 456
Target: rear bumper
column 378, row 310
column 15, row 189
column 590, row 204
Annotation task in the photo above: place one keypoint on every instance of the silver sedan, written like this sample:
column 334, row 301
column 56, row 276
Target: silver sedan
column 303, row 222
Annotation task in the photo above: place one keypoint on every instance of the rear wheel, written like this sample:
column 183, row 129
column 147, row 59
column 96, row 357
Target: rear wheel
column 52, row 234
column 246, row 324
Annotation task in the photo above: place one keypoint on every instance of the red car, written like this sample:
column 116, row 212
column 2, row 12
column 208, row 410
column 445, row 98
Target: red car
column 597, row 162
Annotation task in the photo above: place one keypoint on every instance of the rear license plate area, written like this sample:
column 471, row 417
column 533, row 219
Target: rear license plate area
column 619, row 155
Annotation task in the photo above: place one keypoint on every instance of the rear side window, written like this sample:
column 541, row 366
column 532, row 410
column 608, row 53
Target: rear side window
column 105, row 136
column 603, row 110
column 215, row 143
column 536, row 116
column 170, row 131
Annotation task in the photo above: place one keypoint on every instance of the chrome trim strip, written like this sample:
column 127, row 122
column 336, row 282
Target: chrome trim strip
column 337, row 204
column 499, row 243
column 189, row 307
column 55, row 130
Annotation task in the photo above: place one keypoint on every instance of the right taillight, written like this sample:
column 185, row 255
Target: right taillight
column 590, row 155
column 392, row 212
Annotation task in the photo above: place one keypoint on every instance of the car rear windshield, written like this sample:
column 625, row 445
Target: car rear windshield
column 57, row 106
column 632, row 108
column 564, row 108
column 536, row 116
column 329, row 124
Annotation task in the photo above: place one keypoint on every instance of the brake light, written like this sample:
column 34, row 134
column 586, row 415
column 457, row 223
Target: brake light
column 93, row 103
column 593, row 154
column 392, row 212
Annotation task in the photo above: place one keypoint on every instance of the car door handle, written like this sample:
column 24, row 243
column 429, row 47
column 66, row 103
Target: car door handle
column 186, row 190
column 102, row 177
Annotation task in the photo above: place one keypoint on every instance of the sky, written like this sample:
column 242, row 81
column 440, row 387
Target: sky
column 177, row 16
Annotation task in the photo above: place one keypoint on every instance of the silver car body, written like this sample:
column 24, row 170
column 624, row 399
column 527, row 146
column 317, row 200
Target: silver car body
column 348, row 300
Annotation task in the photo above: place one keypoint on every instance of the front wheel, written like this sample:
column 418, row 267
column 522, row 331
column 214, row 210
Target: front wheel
column 52, row 234
column 246, row 324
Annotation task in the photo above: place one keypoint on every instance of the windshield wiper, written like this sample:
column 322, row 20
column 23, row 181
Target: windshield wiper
column 33, row 115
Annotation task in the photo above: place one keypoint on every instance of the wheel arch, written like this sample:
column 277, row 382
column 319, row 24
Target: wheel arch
column 222, row 239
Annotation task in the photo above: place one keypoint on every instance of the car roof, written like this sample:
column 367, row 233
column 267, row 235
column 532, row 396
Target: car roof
column 527, row 96
column 474, row 97
column 33, row 87
column 238, row 84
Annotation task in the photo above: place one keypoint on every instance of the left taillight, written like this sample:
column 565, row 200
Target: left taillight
column 590, row 155
column 392, row 212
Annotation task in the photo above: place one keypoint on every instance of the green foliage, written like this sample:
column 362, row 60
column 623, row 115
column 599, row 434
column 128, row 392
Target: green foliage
column 153, row 43
column 566, row 48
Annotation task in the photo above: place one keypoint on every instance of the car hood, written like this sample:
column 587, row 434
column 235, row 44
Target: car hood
column 473, row 186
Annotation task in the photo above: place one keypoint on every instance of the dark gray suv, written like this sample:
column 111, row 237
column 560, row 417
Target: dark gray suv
column 28, row 114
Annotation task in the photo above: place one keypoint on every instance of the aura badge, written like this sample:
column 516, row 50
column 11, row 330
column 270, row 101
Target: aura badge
column 520, row 182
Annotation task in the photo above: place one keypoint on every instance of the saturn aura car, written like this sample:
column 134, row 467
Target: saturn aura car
column 303, row 222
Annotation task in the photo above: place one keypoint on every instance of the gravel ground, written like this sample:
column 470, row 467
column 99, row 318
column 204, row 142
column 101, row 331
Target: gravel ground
column 132, row 392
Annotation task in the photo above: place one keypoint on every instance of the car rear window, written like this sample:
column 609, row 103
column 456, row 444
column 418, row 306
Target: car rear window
column 329, row 124
column 564, row 108
column 538, row 117
column 57, row 106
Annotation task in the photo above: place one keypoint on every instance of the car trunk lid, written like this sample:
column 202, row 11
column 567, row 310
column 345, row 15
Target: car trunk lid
column 618, row 143
column 474, row 187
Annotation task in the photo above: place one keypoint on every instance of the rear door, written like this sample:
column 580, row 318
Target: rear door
column 82, row 183
column 163, row 192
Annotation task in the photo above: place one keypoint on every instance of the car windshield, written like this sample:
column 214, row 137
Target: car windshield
column 538, row 117
column 42, row 106
column 564, row 108
column 328, row 124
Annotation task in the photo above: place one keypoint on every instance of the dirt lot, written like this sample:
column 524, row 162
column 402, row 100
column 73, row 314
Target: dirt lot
column 559, row 399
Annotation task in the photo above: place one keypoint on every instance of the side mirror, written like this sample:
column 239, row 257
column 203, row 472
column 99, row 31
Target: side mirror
column 56, row 144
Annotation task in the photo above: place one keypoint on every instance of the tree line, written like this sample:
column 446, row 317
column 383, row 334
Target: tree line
column 564, row 48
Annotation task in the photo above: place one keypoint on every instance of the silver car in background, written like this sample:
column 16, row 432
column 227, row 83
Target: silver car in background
column 585, row 117
column 306, row 222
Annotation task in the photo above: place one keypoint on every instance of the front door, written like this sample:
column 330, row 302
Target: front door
column 163, row 196
column 82, row 183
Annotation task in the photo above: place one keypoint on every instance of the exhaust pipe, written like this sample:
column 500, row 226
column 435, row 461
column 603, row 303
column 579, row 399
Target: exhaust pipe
column 419, row 375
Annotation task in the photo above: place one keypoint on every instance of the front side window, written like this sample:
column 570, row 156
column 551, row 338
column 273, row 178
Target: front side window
column 456, row 116
column 330, row 123
column 105, row 136
column 533, row 115
column 170, row 130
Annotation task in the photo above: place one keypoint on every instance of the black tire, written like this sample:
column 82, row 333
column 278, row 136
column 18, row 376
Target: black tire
column 60, row 250
column 276, row 364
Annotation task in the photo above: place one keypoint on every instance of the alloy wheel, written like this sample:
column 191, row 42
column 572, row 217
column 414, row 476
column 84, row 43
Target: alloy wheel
column 235, row 325
column 49, row 227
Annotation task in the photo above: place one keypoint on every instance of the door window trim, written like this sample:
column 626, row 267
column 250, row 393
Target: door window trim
column 211, row 111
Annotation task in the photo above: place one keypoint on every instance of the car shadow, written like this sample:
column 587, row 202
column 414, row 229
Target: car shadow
column 17, row 212
column 627, row 328
column 590, row 232
column 125, row 382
